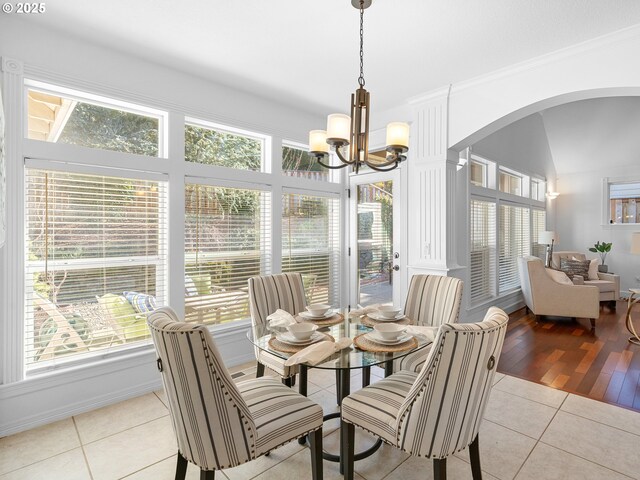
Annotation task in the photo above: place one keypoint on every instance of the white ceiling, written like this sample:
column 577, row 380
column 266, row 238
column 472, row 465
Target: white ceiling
column 305, row 53
column 592, row 135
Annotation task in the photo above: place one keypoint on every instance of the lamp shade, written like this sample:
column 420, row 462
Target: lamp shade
column 339, row 127
column 547, row 237
column 398, row 134
column 318, row 141
column 635, row 243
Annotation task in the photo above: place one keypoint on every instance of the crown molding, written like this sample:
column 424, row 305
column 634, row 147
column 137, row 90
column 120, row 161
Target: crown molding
column 550, row 58
column 535, row 62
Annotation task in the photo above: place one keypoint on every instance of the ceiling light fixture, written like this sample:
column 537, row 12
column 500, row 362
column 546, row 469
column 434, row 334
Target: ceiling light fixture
column 353, row 131
column 552, row 195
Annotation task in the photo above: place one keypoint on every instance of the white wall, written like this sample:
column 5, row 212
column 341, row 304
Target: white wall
column 579, row 210
column 59, row 58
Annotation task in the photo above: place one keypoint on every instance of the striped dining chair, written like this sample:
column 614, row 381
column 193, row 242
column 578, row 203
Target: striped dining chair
column 438, row 411
column 268, row 293
column 217, row 423
column 432, row 300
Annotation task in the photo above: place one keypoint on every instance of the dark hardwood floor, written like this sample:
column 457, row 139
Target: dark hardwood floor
column 566, row 354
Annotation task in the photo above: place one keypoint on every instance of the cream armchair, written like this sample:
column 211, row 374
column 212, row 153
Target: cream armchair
column 545, row 296
column 608, row 283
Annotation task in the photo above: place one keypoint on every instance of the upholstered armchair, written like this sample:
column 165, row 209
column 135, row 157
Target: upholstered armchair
column 545, row 295
column 608, row 283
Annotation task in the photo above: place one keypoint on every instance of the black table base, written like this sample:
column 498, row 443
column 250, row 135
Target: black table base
column 343, row 377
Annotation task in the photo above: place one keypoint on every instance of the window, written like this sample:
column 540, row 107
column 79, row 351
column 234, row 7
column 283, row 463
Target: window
column 514, row 242
column 71, row 119
column 227, row 240
column 96, row 262
column 483, row 250
column 538, row 225
column 478, row 173
column 624, row 202
column 297, row 162
column 223, row 148
column 311, row 244
column 510, row 183
column 538, row 189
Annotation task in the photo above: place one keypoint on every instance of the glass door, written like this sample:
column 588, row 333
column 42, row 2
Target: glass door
column 374, row 258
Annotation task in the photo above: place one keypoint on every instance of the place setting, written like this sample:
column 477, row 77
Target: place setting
column 376, row 315
column 386, row 337
column 297, row 337
column 320, row 314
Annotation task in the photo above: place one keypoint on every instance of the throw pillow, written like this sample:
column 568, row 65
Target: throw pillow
column 593, row 269
column 575, row 267
column 141, row 302
column 558, row 276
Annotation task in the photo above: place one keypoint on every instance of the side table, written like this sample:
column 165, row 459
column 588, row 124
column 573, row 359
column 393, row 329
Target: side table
column 634, row 297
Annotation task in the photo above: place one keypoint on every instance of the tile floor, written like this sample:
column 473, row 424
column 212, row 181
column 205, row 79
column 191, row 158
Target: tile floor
column 530, row 432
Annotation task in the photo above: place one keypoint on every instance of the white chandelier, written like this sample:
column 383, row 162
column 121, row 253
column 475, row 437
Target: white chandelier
column 353, row 131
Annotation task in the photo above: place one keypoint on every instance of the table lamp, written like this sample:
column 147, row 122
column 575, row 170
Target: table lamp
column 547, row 238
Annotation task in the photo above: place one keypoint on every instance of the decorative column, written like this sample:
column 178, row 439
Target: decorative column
column 432, row 189
column 12, row 253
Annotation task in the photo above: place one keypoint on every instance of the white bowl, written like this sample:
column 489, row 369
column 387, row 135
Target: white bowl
column 302, row 331
column 318, row 309
column 389, row 311
column 389, row 331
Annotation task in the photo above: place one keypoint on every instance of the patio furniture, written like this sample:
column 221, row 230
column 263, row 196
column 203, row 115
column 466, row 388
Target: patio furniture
column 125, row 321
column 432, row 300
column 438, row 411
column 64, row 336
column 267, row 294
column 211, row 308
column 217, row 423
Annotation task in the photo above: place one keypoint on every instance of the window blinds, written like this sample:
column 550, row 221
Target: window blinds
column 483, row 250
column 538, row 222
column 311, row 244
column 227, row 240
column 514, row 235
column 96, row 262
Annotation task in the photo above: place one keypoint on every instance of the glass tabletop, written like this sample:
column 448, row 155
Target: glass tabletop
column 348, row 358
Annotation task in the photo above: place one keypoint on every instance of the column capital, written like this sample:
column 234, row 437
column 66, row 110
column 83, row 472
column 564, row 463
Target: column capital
column 11, row 65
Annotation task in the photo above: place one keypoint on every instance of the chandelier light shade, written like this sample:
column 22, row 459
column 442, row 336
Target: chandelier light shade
column 353, row 131
column 635, row 243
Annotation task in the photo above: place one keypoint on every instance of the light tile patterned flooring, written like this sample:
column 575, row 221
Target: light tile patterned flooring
column 530, row 432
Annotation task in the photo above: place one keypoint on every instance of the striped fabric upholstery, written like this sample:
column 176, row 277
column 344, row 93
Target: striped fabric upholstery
column 442, row 409
column 267, row 294
column 432, row 300
column 218, row 424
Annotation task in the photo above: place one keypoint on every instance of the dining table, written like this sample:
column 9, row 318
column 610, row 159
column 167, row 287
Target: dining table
column 363, row 354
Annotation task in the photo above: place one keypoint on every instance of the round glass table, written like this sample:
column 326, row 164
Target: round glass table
column 343, row 362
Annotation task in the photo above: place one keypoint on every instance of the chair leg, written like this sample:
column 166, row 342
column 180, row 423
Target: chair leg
column 348, row 433
column 289, row 381
column 207, row 474
column 315, row 444
column 593, row 322
column 474, row 456
column 181, row 467
column 259, row 370
column 338, row 393
column 439, row 469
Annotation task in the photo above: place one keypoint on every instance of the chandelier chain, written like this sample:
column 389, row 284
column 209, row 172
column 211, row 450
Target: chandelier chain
column 361, row 77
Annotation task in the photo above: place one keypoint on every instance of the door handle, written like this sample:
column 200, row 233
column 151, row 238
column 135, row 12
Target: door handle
column 396, row 267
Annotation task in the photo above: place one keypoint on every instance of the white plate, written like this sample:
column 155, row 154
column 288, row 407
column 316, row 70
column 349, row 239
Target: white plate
column 287, row 337
column 378, row 316
column 308, row 316
column 378, row 339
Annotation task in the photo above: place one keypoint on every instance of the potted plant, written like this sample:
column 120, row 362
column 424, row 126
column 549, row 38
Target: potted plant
column 602, row 248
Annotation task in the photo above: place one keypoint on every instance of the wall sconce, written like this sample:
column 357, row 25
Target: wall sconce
column 552, row 195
